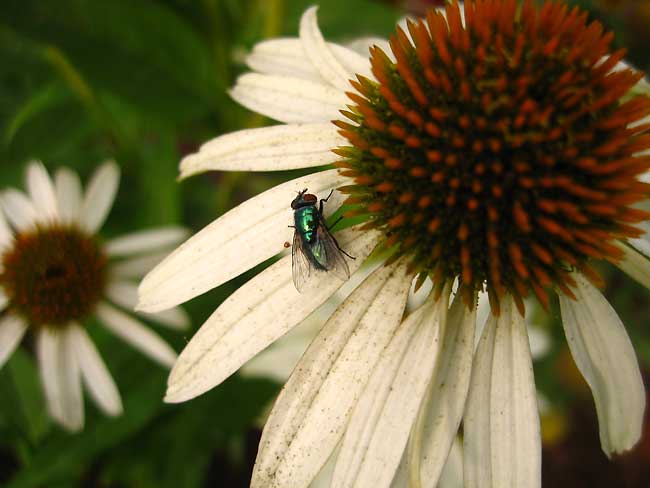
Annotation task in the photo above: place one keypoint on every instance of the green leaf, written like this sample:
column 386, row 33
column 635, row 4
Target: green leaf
column 65, row 456
column 23, row 401
column 191, row 433
column 49, row 96
column 138, row 49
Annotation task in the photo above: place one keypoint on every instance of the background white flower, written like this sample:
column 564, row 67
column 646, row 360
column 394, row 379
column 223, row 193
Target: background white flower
column 55, row 274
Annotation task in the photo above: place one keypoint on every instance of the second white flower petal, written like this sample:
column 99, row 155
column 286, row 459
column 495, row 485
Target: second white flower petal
column 61, row 377
column 502, row 443
column 94, row 373
column 99, row 197
column 146, row 241
column 368, row 411
column 125, row 294
column 604, row 355
column 41, row 191
column 635, row 264
column 396, row 401
column 280, row 147
column 136, row 334
column 289, row 100
column 442, row 411
column 5, row 232
column 320, row 54
column 19, row 209
column 12, row 330
column 287, row 57
column 69, row 194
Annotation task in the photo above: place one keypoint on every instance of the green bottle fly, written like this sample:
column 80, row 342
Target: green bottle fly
column 314, row 247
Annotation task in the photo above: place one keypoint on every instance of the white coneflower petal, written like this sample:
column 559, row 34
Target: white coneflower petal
column 279, row 359
column 289, row 100
column 324, row 477
column 417, row 298
column 368, row 410
column 311, row 413
column 94, row 373
column 99, row 197
column 136, row 334
column 282, row 57
column 321, row 56
column 362, row 46
column 125, row 294
column 635, row 264
column 175, row 318
column 250, row 319
column 12, row 330
column 502, row 444
column 388, row 408
column 41, row 191
column 5, row 232
column 19, row 209
column 451, row 476
column 433, row 437
column 452, row 473
column 69, row 194
column 47, row 352
column 242, row 238
column 146, row 241
column 604, row 355
column 642, row 244
column 302, row 387
column 71, row 393
column 483, row 312
column 61, row 377
column 136, row 267
column 280, row 147
column 287, row 57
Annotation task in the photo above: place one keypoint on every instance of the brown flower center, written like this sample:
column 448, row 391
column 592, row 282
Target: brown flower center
column 498, row 149
column 53, row 275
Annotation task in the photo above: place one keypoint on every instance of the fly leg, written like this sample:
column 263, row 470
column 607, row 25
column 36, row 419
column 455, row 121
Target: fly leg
column 323, row 200
column 320, row 210
column 339, row 247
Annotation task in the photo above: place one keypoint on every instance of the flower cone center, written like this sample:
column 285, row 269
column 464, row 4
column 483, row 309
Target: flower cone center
column 498, row 149
column 53, row 275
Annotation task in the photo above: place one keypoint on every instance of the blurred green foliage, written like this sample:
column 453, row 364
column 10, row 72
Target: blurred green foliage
column 144, row 82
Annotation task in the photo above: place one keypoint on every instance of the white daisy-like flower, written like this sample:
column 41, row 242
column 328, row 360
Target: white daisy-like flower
column 491, row 146
column 55, row 273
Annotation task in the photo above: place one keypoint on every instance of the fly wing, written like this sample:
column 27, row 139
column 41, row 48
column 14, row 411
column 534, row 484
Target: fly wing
column 300, row 265
column 333, row 259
